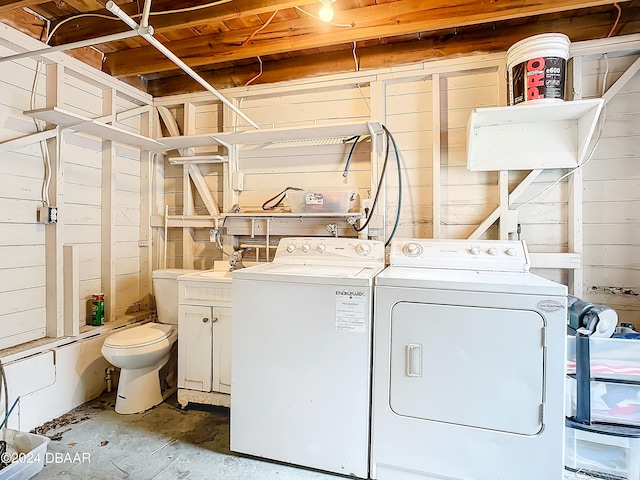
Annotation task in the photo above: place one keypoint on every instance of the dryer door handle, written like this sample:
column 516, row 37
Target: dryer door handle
column 413, row 360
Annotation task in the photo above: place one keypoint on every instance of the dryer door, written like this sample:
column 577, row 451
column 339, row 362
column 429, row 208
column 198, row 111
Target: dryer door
column 471, row 366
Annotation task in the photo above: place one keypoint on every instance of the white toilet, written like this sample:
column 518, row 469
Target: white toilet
column 140, row 352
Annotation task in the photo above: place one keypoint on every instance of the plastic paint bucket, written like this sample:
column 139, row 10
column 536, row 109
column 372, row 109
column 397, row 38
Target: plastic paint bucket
column 536, row 68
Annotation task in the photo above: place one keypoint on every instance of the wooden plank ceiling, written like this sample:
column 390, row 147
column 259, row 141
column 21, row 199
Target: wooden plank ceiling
column 240, row 42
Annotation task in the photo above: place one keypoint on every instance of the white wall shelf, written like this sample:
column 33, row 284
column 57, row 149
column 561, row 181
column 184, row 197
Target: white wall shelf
column 276, row 137
column 198, row 159
column 535, row 136
column 355, row 215
column 300, row 136
column 64, row 118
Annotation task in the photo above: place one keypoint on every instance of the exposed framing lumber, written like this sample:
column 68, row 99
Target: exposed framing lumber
column 436, row 181
column 54, row 239
column 25, row 140
column 108, row 192
column 71, row 291
column 203, row 189
column 383, row 20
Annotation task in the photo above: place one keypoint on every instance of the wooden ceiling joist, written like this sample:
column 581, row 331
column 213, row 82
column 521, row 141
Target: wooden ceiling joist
column 384, row 20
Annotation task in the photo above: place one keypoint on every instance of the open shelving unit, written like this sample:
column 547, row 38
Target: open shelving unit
column 531, row 136
column 79, row 123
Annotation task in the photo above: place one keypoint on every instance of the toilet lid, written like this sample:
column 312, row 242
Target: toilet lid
column 141, row 336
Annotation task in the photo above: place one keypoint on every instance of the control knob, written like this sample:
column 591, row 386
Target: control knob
column 306, row 247
column 492, row 251
column 474, row 251
column 412, row 249
column 511, row 252
column 291, row 248
column 321, row 248
column 362, row 249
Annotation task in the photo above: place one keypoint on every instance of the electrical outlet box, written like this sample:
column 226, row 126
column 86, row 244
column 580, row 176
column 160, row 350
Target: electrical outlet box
column 48, row 214
column 237, row 181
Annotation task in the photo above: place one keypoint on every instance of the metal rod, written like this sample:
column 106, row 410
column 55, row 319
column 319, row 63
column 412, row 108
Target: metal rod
column 69, row 46
column 117, row 11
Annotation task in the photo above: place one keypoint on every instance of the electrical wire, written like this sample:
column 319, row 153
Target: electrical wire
column 615, row 24
column 251, row 80
column 259, row 29
column 46, row 159
column 137, row 15
column 355, row 57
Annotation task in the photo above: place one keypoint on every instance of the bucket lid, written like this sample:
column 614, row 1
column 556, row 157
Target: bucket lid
column 553, row 41
column 141, row 336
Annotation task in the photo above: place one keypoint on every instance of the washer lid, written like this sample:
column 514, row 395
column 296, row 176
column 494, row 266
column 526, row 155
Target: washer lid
column 326, row 274
column 141, row 336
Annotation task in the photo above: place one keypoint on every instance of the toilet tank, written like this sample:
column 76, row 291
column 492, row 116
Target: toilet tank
column 165, row 290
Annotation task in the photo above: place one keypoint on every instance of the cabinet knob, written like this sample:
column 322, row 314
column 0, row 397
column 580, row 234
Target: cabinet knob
column 205, row 319
column 214, row 319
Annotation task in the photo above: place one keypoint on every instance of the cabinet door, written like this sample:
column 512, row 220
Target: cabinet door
column 195, row 343
column 222, row 350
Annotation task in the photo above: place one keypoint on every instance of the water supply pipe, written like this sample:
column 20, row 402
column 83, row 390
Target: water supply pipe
column 147, row 34
column 107, row 377
column 70, row 46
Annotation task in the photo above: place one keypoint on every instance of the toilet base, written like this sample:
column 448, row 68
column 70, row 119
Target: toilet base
column 139, row 389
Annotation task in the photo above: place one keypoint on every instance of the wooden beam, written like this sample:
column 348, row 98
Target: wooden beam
column 87, row 27
column 385, row 20
column 441, row 46
column 8, row 5
column 71, row 291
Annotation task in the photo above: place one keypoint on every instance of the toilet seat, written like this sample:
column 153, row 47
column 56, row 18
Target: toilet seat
column 141, row 336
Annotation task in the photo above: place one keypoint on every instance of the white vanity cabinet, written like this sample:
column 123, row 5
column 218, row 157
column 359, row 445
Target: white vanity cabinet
column 204, row 338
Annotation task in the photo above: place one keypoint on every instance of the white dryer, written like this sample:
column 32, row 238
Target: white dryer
column 301, row 354
column 469, row 364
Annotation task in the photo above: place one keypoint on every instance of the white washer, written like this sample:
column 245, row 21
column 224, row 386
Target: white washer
column 301, row 354
column 469, row 364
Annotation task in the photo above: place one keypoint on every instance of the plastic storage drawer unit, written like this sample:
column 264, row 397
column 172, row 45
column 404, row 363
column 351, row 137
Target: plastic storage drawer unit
column 602, row 454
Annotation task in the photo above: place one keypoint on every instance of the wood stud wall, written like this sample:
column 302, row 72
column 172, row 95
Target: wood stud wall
column 441, row 198
column 100, row 243
column 104, row 188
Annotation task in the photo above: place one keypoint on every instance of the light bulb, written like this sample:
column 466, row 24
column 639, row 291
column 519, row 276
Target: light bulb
column 326, row 11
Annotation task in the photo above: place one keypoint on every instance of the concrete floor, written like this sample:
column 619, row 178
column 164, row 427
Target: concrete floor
column 164, row 443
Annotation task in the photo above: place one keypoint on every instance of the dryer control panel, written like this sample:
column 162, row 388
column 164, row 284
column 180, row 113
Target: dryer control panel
column 322, row 249
column 477, row 255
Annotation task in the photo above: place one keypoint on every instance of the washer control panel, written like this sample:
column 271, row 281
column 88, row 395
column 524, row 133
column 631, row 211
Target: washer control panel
column 329, row 248
column 478, row 255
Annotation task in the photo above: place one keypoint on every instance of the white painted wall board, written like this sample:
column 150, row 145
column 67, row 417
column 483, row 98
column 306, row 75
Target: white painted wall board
column 23, row 234
column 29, row 321
column 21, row 256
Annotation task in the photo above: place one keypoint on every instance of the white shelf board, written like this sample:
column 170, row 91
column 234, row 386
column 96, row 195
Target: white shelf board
column 64, row 118
column 199, row 159
column 119, row 135
column 57, row 116
column 286, row 135
column 291, row 215
column 531, row 136
column 189, row 141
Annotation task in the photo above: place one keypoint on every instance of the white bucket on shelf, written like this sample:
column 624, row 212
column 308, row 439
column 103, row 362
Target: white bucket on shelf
column 536, row 68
